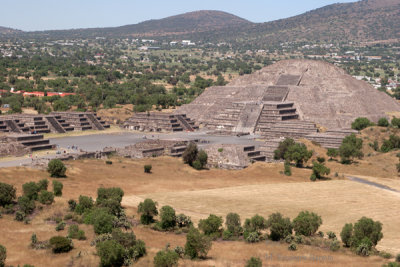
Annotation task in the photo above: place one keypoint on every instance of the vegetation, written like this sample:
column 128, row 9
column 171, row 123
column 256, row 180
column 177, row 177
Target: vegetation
column 254, row 262
column 75, row 233
column 166, row 258
column 57, row 188
column 361, row 123
column 211, row 226
column 147, row 168
column 279, row 226
column 306, row 223
column 195, row 158
column 233, row 225
column 60, row 244
column 7, row 194
column 197, row 245
column 319, row 170
column 46, row 197
column 292, row 152
column 350, row 148
column 3, row 256
column 56, row 168
column 168, row 217
column 148, row 209
column 383, row 122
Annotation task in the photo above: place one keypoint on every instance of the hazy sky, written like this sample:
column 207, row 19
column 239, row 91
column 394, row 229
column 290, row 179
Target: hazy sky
column 67, row 14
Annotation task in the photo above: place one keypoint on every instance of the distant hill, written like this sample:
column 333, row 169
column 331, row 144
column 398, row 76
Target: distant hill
column 5, row 30
column 367, row 20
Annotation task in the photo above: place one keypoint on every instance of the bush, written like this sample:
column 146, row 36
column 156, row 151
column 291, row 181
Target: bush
column 319, row 170
column 386, row 146
column 72, row 204
column 110, row 198
column 252, row 237
column 254, row 262
column 147, row 168
column 283, row 146
column 190, row 154
column 109, row 162
column 60, row 226
column 367, row 228
column 56, row 168
column 26, row 205
column 331, row 235
column 335, row 245
column 398, row 257
column 60, row 244
column 168, row 217
column 292, row 247
column 85, row 203
column 298, row 153
column 3, row 256
column 102, row 221
column 75, row 233
column 197, row 245
column 346, row 234
column 321, row 159
column 180, row 251
column 233, row 224
column 350, row 148
column 43, row 184
column 287, row 170
column 306, row 223
column 255, row 224
column 396, row 122
column 7, row 194
column 57, row 188
column 46, row 197
column 364, row 247
column 383, row 122
column 279, row 227
column 183, row 221
column 148, row 210
column 197, row 165
column 202, row 157
column 30, row 190
column 166, row 258
column 361, row 123
column 332, row 153
column 20, row 216
column 212, row 225
column 111, row 253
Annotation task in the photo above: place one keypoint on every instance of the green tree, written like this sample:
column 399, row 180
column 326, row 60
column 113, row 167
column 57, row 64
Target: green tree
column 56, row 168
column 190, row 154
column 395, row 122
column 46, row 197
column 111, row 253
column 166, row 258
column 280, row 227
column 60, row 244
column 254, row 262
column 233, row 224
column 319, row 170
column 367, row 228
column 57, row 188
column 383, row 122
column 148, row 209
column 168, row 217
column 212, row 225
column 350, row 148
column 197, row 245
column 332, row 153
column 102, row 221
column 346, row 234
column 3, row 256
column 202, row 158
column 43, row 184
column 85, row 203
column 30, row 190
column 306, row 223
column 26, row 205
column 7, row 194
column 283, row 146
column 361, row 123
column 298, row 153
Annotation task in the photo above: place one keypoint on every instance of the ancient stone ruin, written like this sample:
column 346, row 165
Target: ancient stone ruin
column 160, row 122
column 56, row 122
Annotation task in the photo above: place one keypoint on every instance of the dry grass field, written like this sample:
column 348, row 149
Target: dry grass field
column 261, row 189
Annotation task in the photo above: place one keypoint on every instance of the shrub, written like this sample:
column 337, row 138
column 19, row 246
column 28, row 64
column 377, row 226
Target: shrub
column 292, row 246
column 180, row 251
column 109, row 162
column 386, row 146
column 34, row 239
column 335, row 245
column 331, row 235
column 346, row 234
column 85, row 203
column 168, row 217
column 332, row 153
column 57, row 188
column 148, row 210
column 190, row 154
column 287, row 170
column 367, row 228
column 383, row 122
column 166, row 258
column 202, row 157
column 233, row 224
column 183, row 221
column 227, row 235
column 110, row 198
column 364, row 247
column 319, row 170
column 197, row 245
column 298, row 153
column 197, row 165
column 321, row 159
column 102, row 221
column 3, row 255
column 306, row 223
column 361, row 123
column 111, row 253
column 46, row 197
column 60, row 244
column 396, row 122
column 72, row 204
column 398, row 257
column 254, row 262
column 75, row 233
column 30, row 190
column 320, row 234
column 298, row 239
column 279, row 227
column 19, row 216
column 43, row 184
column 26, row 205
column 7, row 194
column 147, row 168
column 282, row 148
column 211, row 225
column 255, row 224
column 252, row 237
column 350, row 148
column 60, row 226
column 56, row 168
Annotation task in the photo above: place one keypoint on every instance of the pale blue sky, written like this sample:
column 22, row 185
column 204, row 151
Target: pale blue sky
column 67, row 14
